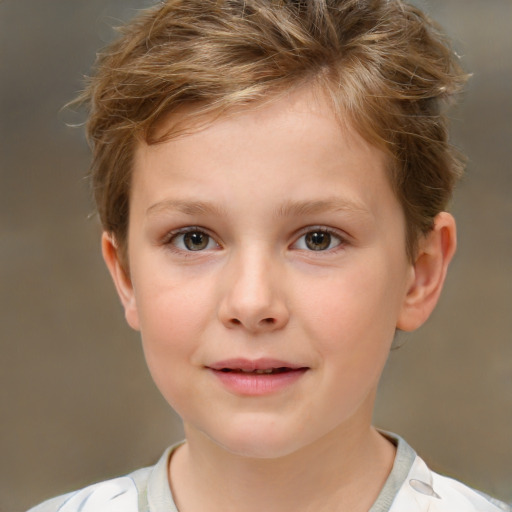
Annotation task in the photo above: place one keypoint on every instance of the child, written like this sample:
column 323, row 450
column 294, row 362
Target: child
column 272, row 178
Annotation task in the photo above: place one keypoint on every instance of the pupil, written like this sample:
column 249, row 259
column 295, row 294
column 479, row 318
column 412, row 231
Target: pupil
column 318, row 240
column 195, row 241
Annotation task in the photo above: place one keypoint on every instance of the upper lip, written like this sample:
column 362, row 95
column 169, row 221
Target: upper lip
column 253, row 364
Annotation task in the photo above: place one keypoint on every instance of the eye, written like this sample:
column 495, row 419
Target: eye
column 193, row 240
column 318, row 240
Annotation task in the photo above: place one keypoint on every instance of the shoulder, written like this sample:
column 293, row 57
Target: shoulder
column 424, row 490
column 475, row 500
column 143, row 490
column 108, row 496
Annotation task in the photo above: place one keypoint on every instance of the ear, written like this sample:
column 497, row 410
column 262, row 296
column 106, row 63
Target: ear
column 435, row 252
column 121, row 280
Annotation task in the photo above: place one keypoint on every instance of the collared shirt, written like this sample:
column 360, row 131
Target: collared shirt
column 410, row 487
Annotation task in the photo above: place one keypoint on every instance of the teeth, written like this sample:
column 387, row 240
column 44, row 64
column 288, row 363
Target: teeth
column 266, row 371
column 259, row 372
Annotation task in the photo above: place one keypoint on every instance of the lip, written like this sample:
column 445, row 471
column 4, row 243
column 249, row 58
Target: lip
column 239, row 375
column 251, row 365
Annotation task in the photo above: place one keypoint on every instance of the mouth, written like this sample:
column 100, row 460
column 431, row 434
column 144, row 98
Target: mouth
column 265, row 371
column 262, row 366
column 257, row 377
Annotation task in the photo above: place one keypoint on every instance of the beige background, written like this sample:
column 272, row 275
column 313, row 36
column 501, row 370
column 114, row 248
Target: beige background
column 76, row 402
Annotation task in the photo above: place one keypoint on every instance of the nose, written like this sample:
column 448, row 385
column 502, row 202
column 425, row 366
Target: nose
column 253, row 294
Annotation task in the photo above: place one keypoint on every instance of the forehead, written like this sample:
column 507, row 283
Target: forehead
column 294, row 144
column 313, row 100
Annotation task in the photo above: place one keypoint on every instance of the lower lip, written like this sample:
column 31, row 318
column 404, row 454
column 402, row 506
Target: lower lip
column 254, row 384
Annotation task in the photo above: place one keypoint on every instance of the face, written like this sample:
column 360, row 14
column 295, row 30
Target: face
column 268, row 273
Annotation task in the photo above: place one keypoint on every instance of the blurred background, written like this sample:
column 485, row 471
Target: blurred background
column 77, row 404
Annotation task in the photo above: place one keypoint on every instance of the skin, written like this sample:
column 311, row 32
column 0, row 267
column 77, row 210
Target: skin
column 255, row 184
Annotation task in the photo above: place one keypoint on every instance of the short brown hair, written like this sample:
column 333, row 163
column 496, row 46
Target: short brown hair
column 383, row 63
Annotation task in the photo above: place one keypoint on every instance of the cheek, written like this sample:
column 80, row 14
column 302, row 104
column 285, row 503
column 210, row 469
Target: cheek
column 167, row 316
column 172, row 304
column 172, row 317
column 352, row 311
column 169, row 332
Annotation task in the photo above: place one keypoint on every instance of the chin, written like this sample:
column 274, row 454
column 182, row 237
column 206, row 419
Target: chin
column 258, row 440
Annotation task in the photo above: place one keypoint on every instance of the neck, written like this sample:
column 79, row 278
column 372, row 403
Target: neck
column 344, row 471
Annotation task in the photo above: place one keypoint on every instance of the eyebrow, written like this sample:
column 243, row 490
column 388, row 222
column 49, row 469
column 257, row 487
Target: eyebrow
column 288, row 209
column 186, row 207
column 334, row 204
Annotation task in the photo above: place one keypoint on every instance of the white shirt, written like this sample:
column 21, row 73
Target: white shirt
column 410, row 487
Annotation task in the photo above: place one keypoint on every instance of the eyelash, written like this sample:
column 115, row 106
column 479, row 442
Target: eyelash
column 171, row 238
column 333, row 234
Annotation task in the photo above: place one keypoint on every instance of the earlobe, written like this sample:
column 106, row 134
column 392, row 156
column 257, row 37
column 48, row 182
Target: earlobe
column 435, row 252
column 121, row 280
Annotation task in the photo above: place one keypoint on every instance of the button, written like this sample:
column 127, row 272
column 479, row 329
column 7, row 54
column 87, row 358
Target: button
column 423, row 488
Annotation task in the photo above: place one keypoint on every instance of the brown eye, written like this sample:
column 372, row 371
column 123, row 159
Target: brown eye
column 318, row 240
column 196, row 240
column 191, row 239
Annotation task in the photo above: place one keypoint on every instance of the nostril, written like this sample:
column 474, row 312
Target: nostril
column 263, row 324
